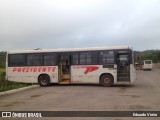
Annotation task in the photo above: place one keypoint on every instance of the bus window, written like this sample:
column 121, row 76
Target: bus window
column 123, row 59
column 148, row 62
column 106, row 57
column 34, row 59
column 17, row 60
column 75, row 59
column 85, row 58
column 49, row 59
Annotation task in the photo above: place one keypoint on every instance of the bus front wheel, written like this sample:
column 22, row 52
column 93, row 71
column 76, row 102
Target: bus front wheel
column 44, row 80
column 106, row 80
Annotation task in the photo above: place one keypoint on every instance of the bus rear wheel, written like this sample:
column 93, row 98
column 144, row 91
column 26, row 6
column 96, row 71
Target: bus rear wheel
column 106, row 80
column 44, row 80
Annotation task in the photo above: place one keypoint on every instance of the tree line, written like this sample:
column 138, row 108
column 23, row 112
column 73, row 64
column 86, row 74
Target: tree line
column 153, row 55
column 3, row 59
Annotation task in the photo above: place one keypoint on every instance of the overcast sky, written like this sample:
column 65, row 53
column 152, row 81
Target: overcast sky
column 30, row 24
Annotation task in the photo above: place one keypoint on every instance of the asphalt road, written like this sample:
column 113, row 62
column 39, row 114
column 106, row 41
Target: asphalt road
column 143, row 94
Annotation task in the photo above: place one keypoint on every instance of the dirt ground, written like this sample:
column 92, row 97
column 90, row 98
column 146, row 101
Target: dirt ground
column 142, row 95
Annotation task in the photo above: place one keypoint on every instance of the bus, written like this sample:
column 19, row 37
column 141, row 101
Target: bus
column 98, row 65
column 147, row 65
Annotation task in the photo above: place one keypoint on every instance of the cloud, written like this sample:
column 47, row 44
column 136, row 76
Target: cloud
column 30, row 24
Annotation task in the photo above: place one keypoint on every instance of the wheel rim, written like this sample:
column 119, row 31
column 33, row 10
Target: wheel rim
column 44, row 81
column 106, row 80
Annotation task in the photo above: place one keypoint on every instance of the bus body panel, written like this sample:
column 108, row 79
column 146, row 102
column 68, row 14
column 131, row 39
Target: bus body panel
column 132, row 73
column 30, row 74
column 90, row 73
column 16, row 76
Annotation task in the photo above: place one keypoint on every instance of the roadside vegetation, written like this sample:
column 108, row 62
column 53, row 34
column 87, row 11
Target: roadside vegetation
column 6, row 85
column 153, row 55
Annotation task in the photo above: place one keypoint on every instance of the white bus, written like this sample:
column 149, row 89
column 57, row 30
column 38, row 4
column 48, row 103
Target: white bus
column 147, row 65
column 99, row 65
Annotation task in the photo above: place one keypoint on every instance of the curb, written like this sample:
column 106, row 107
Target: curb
column 18, row 90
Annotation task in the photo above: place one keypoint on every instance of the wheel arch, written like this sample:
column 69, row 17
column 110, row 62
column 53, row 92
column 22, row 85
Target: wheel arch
column 44, row 74
column 105, row 74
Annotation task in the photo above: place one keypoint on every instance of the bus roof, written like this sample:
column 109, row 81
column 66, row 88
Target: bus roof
column 70, row 49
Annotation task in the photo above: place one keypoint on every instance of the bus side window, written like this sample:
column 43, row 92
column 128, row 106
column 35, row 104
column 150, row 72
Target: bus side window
column 106, row 57
column 34, row 59
column 49, row 59
column 85, row 58
column 74, row 59
column 17, row 60
column 94, row 58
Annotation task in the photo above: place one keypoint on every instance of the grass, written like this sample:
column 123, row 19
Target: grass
column 6, row 85
column 2, row 70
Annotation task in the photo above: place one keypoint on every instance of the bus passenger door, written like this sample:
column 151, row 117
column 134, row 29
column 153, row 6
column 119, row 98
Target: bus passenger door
column 123, row 67
column 64, row 72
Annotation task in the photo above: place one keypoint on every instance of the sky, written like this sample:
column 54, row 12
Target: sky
column 50, row 24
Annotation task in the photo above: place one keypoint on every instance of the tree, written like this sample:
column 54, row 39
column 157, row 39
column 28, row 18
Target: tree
column 151, row 56
column 2, row 59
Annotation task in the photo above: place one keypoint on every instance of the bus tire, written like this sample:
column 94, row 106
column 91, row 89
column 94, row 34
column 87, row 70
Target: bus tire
column 44, row 80
column 106, row 80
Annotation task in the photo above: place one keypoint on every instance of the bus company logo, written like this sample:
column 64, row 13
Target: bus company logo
column 34, row 69
column 88, row 68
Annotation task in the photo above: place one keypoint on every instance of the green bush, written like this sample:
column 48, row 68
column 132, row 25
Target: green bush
column 2, row 76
